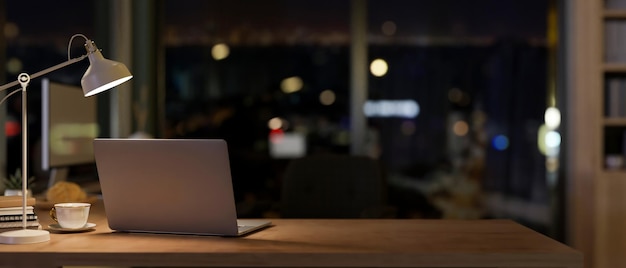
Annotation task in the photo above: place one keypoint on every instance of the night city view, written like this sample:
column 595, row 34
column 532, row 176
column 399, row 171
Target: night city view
column 456, row 95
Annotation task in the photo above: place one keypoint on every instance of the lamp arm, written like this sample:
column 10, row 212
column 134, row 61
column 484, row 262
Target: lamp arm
column 45, row 71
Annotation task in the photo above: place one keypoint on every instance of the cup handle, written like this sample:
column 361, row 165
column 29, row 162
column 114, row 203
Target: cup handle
column 53, row 214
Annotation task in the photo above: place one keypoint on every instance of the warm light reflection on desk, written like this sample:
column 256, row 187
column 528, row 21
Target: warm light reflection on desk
column 306, row 243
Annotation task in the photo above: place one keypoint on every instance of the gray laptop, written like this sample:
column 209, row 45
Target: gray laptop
column 169, row 186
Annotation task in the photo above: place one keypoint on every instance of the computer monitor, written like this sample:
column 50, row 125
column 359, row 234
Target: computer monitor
column 69, row 125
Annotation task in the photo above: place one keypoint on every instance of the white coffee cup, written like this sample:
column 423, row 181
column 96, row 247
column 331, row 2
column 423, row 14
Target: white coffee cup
column 70, row 215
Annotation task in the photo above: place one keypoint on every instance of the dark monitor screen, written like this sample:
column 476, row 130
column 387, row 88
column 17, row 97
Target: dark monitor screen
column 69, row 125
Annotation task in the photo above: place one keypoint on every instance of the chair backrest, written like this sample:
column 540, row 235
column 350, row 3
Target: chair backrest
column 332, row 186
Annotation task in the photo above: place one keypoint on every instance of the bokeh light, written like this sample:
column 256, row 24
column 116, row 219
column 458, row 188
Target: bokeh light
column 379, row 67
column 327, row 97
column 460, row 128
column 14, row 66
column 553, row 139
column 407, row 128
column 389, row 28
column 552, row 117
column 275, row 123
column 500, row 142
column 220, row 51
column 11, row 30
column 291, row 84
column 391, row 108
column 455, row 95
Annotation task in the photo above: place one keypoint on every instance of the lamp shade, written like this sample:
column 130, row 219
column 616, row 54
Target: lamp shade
column 103, row 74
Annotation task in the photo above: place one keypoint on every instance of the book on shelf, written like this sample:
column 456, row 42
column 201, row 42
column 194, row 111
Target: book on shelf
column 614, row 41
column 615, row 4
column 15, row 201
column 615, row 97
column 612, row 102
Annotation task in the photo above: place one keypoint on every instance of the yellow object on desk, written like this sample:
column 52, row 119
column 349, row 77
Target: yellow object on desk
column 65, row 191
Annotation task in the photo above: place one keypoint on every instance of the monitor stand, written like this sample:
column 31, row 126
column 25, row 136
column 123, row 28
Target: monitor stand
column 56, row 175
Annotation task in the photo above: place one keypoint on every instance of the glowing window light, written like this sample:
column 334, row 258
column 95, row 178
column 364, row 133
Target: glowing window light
column 552, row 117
column 379, row 67
column 291, row 84
column 389, row 28
column 327, row 97
column 391, row 108
column 220, row 51
column 460, row 128
column 500, row 142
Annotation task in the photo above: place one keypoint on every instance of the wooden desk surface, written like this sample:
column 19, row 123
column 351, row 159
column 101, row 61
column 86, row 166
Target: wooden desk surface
column 306, row 243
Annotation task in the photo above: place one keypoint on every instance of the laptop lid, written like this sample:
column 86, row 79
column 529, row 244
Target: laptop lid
column 169, row 186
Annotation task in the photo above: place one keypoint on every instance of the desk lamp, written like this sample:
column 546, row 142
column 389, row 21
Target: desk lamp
column 101, row 75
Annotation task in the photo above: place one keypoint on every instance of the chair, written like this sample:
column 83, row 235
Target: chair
column 333, row 186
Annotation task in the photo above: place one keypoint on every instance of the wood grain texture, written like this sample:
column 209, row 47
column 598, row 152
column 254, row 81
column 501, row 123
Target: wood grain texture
column 307, row 243
column 585, row 149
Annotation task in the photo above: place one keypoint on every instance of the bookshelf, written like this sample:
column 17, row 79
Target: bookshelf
column 613, row 16
column 596, row 161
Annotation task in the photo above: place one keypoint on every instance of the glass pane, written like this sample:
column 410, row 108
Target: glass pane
column 237, row 69
column 478, row 72
column 456, row 97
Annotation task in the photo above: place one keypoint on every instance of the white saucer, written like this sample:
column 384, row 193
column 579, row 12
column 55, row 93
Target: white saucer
column 58, row 228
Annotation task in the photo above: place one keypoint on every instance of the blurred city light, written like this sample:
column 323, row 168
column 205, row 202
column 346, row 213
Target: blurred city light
column 14, row 65
column 455, row 95
column 291, row 84
column 379, row 67
column 500, row 142
column 407, row 128
column 11, row 30
column 275, row 123
column 541, row 139
column 548, row 141
column 391, row 108
column 552, row 117
column 327, row 97
column 389, row 28
column 553, row 139
column 220, row 51
column 460, row 128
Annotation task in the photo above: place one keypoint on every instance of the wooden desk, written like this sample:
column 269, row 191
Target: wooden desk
column 306, row 243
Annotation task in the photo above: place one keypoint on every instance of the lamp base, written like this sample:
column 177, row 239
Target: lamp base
column 24, row 236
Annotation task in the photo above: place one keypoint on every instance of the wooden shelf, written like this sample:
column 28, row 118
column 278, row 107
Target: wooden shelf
column 615, row 14
column 615, row 121
column 614, row 174
column 615, row 67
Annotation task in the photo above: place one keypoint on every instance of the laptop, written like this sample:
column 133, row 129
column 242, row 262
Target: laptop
column 169, row 186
